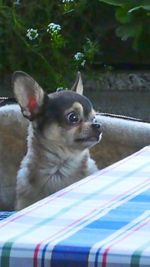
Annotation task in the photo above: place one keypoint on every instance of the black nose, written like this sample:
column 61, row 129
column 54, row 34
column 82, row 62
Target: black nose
column 96, row 125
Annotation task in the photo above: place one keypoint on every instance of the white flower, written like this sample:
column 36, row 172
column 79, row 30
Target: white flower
column 53, row 28
column 17, row 2
column 78, row 56
column 67, row 1
column 32, row 34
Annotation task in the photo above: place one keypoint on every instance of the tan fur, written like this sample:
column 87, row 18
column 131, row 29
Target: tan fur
column 77, row 107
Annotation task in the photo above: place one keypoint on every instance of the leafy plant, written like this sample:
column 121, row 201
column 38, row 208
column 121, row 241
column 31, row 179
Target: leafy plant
column 41, row 38
column 51, row 40
column 134, row 19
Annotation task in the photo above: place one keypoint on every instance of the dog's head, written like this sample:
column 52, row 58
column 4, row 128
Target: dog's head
column 65, row 117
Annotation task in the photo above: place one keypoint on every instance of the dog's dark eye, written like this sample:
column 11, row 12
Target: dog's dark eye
column 73, row 117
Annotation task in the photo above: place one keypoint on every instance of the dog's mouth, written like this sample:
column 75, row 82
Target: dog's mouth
column 89, row 139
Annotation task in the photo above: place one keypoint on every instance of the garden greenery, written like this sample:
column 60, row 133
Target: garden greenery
column 51, row 40
column 134, row 21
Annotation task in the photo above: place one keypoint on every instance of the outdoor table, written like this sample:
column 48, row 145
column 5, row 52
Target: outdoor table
column 102, row 220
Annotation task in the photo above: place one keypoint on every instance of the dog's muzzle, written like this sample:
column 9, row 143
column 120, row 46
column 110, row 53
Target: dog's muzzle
column 94, row 134
column 97, row 127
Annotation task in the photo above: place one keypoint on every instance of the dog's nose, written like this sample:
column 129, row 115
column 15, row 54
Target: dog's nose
column 96, row 125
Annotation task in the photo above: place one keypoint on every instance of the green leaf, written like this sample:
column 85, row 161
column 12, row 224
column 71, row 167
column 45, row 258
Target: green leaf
column 127, row 31
column 113, row 2
column 127, row 3
column 122, row 15
column 145, row 7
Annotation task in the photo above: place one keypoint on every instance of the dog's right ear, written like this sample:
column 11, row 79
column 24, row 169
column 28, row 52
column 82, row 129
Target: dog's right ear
column 29, row 95
column 78, row 85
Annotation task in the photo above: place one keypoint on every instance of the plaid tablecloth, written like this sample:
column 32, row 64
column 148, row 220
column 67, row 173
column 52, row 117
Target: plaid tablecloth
column 103, row 220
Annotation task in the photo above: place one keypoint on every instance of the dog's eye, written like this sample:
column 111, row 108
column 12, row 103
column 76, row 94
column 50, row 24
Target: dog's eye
column 73, row 117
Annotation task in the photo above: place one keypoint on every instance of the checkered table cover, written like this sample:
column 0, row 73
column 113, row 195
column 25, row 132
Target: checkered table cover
column 102, row 220
column 5, row 214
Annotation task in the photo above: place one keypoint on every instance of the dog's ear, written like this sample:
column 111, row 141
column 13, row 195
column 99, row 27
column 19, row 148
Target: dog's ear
column 29, row 95
column 78, row 85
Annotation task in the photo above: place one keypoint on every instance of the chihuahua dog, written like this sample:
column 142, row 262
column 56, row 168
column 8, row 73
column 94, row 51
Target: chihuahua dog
column 61, row 129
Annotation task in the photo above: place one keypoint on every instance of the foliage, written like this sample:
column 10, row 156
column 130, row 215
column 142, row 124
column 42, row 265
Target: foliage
column 51, row 40
column 134, row 19
column 44, row 38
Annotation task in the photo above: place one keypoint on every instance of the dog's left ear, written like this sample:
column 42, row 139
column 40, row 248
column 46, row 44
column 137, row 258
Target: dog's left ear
column 29, row 95
column 78, row 85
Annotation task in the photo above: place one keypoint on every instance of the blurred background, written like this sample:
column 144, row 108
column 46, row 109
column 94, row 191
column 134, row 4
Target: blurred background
column 108, row 41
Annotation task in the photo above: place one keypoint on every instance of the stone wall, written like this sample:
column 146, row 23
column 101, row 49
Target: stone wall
column 121, row 81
